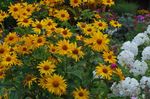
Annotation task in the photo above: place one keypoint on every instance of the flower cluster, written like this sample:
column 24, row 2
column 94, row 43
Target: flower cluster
column 52, row 49
column 137, row 67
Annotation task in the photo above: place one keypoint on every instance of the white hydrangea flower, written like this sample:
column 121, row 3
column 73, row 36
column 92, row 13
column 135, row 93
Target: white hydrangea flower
column 130, row 46
column 126, row 58
column 148, row 29
column 127, row 87
column 139, row 68
column 145, row 82
column 146, row 53
column 140, row 38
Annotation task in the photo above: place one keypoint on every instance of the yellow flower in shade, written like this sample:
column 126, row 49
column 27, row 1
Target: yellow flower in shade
column 2, row 75
column 22, row 49
column 23, row 14
column 52, row 48
column 98, row 42
column 97, row 16
column 75, row 3
column 4, row 49
column 80, row 37
column 108, row 2
column 101, row 25
column 38, row 26
column 28, row 80
column 89, row 30
column 76, row 52
column 42, row 82
column 118, row 72
column 25, row 22
column 64, row 32
column 109, row 57
column 11, row 38
column 29, row 7
column 50, row 30
column 54, row 60
column 49, row 23
column 62, row 15
column 104, row 71
column 81, row 25
column 3, row 15
column 46, row 67
column 63, row 47
column 115, row 24
column 56, row 85
column 39, row 41
column 81, row 93
column 9, row 59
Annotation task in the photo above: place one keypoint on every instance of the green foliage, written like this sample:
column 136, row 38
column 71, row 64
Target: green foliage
column 124, row 7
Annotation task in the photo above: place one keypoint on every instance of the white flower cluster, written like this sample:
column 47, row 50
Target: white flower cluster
column 130, row 51
column 139, row 68
column 145, row 82
column 127, row 87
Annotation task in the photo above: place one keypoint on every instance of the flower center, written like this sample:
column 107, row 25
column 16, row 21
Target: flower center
column 81, row 94
column 89, row 30
column 55, row 83
column 109, row 57
column 2, row 51
column 75, row 51
column 65, row 32
column 39, row 26
column 15, row 9
column 11, row 38
column 64, row 47
column 62, row 15
column 46, row 67
column 100, row 24
column 75, row 1
column 39, row 40
column 99, row 41
column 8, row 59
column 25, row 20
column 24, row 49
column 105, row 70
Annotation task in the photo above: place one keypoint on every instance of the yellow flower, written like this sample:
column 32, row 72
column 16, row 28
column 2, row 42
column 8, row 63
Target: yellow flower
column 76, row 52
column 3, row 15
column 49, row 23
column 46, row 67
column 108, row 2
column 28, row 80
column 4, row 49
column 64, row 32
column 63, row 15
column 22, row 49
column 52, row 48
column 115, row 24
column 15, row 9
column 38, row 26
column 101, row 25
column 56, row 85
column 25, row 22
column 9, row 60
column 11, row 38
column 98, row 42
column 81, row 93
column 42, row 82
column 63, row 47
column 89, row 29
column 109, row 57
column 104, row 71
column 39, row 41
column 118, row 71
column 81, row 25
column 75, row 3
